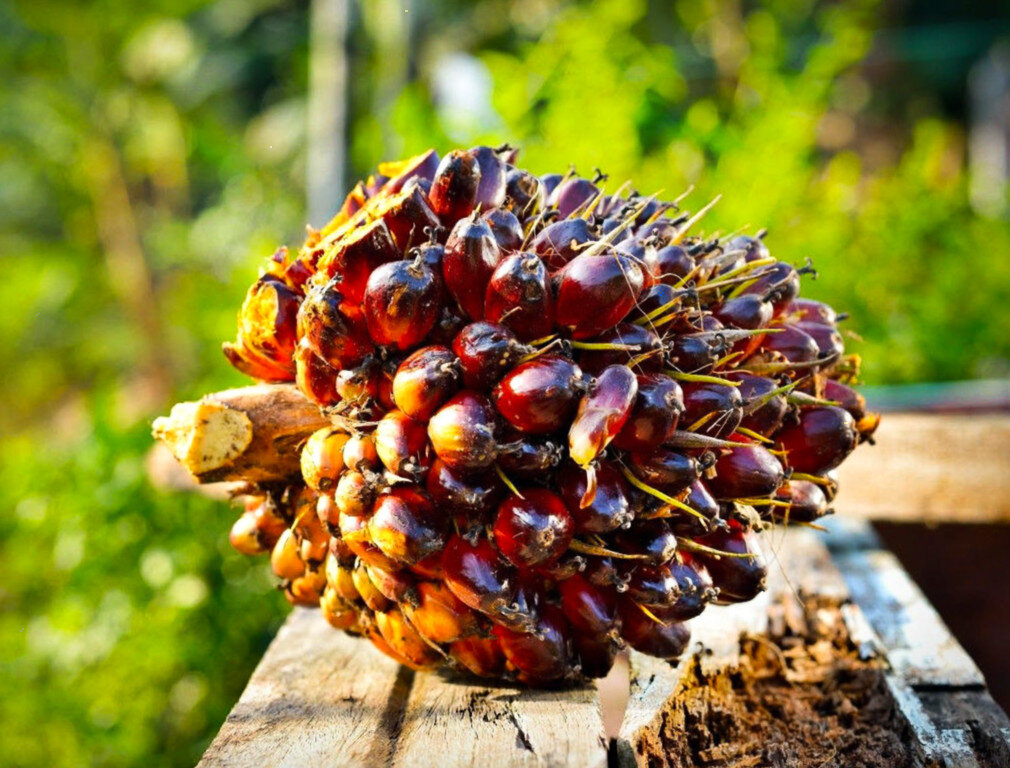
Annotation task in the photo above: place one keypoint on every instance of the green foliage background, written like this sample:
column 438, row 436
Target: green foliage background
column 152, row 153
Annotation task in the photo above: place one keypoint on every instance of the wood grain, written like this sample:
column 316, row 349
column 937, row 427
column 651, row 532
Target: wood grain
column 456, row 723
column 930, row 467
column 318, row 697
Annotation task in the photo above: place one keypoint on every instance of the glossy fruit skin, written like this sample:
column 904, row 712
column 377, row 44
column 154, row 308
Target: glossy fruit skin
column 694, row 353
column 651, row 584
column 354, row 533
column 559, row 242
column 422, row 166
column 669, row 265
column 402, row 303
column 846, row 397
column 807, row 502
column 590, row 609
column 534, row 530
column 540, row 656
column 424, row 380
column 696, row 591
column 828, row 340
column 519, row 297
column 792, row 344
column 405, row 525
column 651, row 540
column 668, row 470
column 746, row 311
column 349, row 263
column 481, row 656
column 609, row 508
column 480, row 578
column 603, row 411
column 665, row 641
column 595, row 292
column 722, row 401
column 761, row 417
column 470, row 497
column 486, row 352
column 528, row 457
column 820, row 440
column 491, row 187
column 780, row 282
column 396, row 586
column 359, row 452
column 749, row 472
column 753, row 247
column 524, row 193
column 463, row 432
column 539, row 396
column 506, row 228
column 316, row 378
column 322, row 458
column 454, row 186
column 366, row 589
column 811, row 311
column 404, row 639
column 439, row 615
column 471, row 255
column 402, row 445
column 340, row 339
column 646, row 350
column 571, row 195
column 654, row 415
column 738, row 579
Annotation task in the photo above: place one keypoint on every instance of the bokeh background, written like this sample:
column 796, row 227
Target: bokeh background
column 151, row 154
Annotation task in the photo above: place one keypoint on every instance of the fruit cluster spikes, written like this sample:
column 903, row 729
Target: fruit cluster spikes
column 560, row 419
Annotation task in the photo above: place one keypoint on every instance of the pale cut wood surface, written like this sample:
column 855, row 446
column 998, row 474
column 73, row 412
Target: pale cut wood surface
column 931, row 468
column 456, row 724
column 318, row 698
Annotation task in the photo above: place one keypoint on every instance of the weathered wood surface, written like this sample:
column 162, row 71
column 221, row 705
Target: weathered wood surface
column 931, row 468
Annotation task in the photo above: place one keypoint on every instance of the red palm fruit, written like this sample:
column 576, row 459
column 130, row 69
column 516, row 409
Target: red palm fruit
column 695, row 352
column 306, row 589
column 404, row 639
column 328, row 513
column 747, row 311
column 354, row 494
column 746, row 472
column 429, row 568
column 807, row 502
column 595, row 292
column 829, row 341
column 658, row 296
column 539, row 396
column 245, row 537
column 696, row 591
column 701, row 500
column 720, row 405
column 846, row 397
column 422, row 166
column 403, row 300
column 566, row 566
column 780, row 282
column 252, row 364
column 631, row 343
column 659, row 232
column 470, row 498
column 652, row 584
column 405, row 525
column 505, row 227
column 316, row 378
column 820, row 440
column 359, row 452
column 285, row 561
column 454, row 187
column 491, row 184
column 740, row 574
column 763, row 411
column 609, row 508
column 431, row 253
column 350, row 260
column 572, row 194
column 481, row 655
column 753, row 247
column 524, row 456
column 424, row 380
column 794, row 345
column 663, row 468
column 449, row 324
column 338, row 612
column 590, row 609
column 541, row 655
column 646, row 635
column 354, row 533
column 654, row 414
column 270, row 524
column 486, row 352
column 602, row 572
column 595, row 656
column 603, row 411
column 559, row 242
column 669, row 265
column 408, row 214
column 439, row 615
column 519, row 297
column 463, row 432
column 479, row 577
column 524, row 193
column 402, row 445
column 341, row 578
column 322, row 458
column 811, row 311
column 397, row 586
column 267, row 320
column 550, row 182
column 338, row 338
column 471, row 255
column 533, row 529
column 651, row 540
column 359, row 386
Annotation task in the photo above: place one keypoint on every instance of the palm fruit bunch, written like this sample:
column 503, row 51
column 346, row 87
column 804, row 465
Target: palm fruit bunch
column 559, row 419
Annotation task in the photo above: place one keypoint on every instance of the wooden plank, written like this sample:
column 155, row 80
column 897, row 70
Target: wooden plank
column 318, row 697
column 928, row 467
column 456, row 723
column 919, row 646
